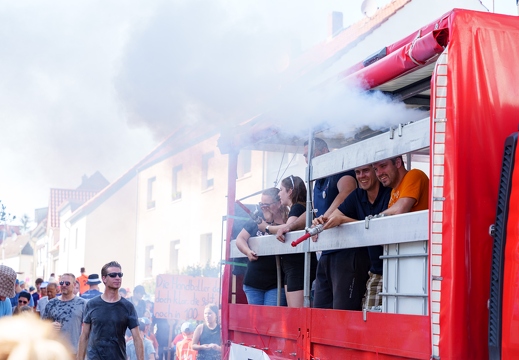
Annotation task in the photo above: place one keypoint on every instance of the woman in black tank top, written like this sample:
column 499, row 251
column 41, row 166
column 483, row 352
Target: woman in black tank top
column 207, row 338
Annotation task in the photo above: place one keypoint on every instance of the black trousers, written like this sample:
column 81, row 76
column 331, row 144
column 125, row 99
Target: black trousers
column 341, row 279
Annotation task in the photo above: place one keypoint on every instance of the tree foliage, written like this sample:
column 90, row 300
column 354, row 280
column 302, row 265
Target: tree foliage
column 4, row 215
column 208, row 270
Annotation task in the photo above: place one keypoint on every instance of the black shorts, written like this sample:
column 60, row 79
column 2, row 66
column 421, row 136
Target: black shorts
column 293, row 266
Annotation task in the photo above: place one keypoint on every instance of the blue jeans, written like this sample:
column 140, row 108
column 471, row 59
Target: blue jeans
column 264, row 297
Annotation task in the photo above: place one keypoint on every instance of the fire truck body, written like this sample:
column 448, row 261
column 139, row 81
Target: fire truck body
column 439, row 265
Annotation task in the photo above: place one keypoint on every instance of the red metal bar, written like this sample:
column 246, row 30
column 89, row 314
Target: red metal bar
column 227, row 273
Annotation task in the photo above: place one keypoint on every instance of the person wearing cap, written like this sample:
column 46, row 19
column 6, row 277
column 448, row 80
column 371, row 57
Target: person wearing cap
column 7, row 283
column 66, row 311
column 185, row 346
column 149, row 350
column 52, row 289
column 93, row 282
column 136, row 300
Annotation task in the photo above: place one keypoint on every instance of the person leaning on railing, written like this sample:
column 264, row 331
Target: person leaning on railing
column 350, row 269
column 293, row 195
column 260, row 282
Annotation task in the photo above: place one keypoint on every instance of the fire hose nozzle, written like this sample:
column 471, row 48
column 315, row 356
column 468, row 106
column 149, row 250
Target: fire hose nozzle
column 253, row 215
column 309, row 232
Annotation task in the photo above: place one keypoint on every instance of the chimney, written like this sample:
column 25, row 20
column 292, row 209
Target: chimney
column 334, row 23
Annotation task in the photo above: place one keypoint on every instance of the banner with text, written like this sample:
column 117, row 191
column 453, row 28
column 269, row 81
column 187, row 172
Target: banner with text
column 184, row 297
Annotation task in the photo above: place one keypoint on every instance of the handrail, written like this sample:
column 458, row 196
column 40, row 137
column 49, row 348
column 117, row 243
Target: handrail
column 401, row 228
column 403, row 139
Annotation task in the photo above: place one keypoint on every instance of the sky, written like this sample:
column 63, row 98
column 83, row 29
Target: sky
column 95, row 85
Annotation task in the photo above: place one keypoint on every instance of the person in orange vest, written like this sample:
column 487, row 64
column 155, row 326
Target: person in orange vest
column 184, row 349
column 83, row 278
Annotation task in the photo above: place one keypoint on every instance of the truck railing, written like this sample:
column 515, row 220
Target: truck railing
column 410, row 227
column 405, row 262
column 399, row 140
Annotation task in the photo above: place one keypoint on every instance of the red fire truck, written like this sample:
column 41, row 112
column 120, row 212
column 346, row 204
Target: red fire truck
column 451, row 273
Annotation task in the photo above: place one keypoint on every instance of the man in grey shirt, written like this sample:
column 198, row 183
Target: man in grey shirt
column 66, row 311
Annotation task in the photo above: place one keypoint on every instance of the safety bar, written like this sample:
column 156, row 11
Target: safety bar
column 387, row 230
column 401, row 139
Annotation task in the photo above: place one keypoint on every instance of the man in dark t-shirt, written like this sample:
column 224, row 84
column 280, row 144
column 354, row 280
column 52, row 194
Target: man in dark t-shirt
column 105, row 321
column 370, row 198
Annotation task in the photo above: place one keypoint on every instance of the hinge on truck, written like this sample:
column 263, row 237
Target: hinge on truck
column 492, row 230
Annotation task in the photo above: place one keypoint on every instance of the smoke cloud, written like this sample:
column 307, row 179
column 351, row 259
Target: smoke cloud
column 209, row 63
column 95, row 85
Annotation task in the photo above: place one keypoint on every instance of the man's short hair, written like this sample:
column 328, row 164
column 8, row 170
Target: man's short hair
column 319, row 144
column 52, row 284
column 82, row 270
column 104, row 269
column 393, row 160
column 38, row 281
column 71, row 275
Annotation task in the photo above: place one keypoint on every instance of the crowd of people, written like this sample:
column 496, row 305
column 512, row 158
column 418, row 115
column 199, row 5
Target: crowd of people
column 346, row 279
column 73, row 319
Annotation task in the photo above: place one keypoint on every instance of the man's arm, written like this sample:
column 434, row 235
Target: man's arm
column 83, row 341
column 336, row 218
column 138, row 343
column 402, row 205
column 345, row 185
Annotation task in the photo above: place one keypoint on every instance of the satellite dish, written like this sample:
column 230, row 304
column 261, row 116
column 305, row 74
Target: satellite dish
column 369, row 7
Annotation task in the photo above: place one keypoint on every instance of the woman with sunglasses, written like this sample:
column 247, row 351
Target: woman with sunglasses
column 23, row 301
column 293, row 194
column 260, row 282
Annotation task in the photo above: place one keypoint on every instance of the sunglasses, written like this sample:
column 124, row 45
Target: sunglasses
column 112, row 275
column 266, row 205
column 66, row 283
column 22, row 302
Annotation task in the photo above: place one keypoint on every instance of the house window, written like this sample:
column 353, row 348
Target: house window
column 77, row 235
column 244, row 163
column 206, row 244
column 207, row 170
column 148, row 271
column 176, row 191
column 174, row 246
column 151, row 185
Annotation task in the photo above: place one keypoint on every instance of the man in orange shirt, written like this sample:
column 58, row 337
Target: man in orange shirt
column 409, row 192
column 83, row 286
column 410, row 189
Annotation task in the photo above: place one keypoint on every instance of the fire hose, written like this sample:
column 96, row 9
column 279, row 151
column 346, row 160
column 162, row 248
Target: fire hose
column 309, row 232
column 253, row 215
